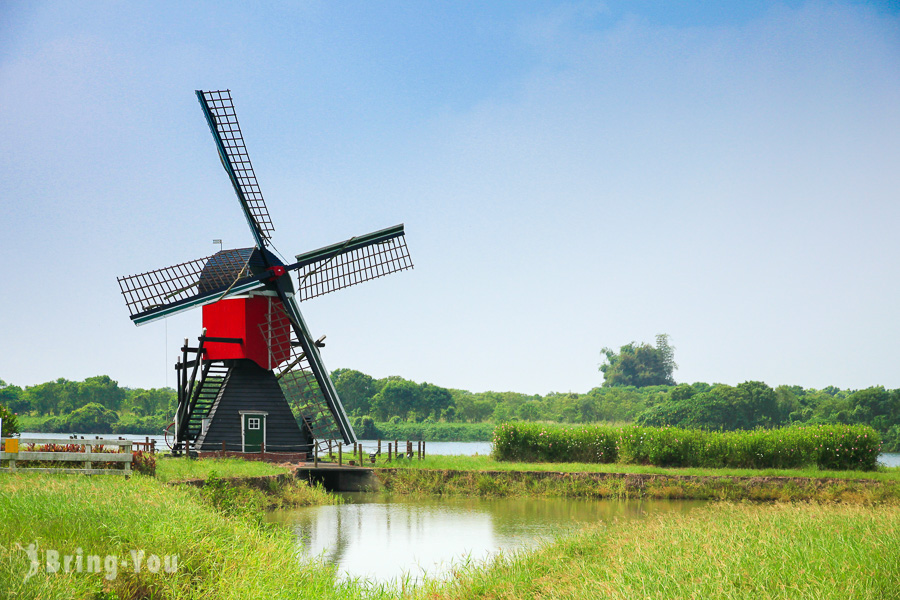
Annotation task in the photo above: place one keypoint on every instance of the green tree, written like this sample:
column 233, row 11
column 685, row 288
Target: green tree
column 640, row 365
column 356, row 390
column 472, row 408
column 52, row 397
column 12, row 397
column 530, row 411
column 153, row 401
column 435, row 400
column 749, row 405
column 92, row 418
column 760, row 405
column 397, row 398
column 875, row 406
column 10, row 424
column 99, row 390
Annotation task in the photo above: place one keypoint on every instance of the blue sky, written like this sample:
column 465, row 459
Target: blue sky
column 571, row 176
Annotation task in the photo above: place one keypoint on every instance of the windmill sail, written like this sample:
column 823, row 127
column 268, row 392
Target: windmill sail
column 352, row 261
column 300, row 385
column 223, row 123
column 169, row 291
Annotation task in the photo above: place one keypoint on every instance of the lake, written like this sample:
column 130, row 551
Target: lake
column 384, row 539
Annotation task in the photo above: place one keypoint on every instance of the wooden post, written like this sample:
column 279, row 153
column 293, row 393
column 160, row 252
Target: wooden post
column 152, row 446
column 330, row 454
column 87, row 448
column 127, row 448
column 315, row 451
column 378, row 452
column 423, row 448
column 397, row 448
column 419, row 449
column 389, row 452
column 340, row 455
column 262, row 449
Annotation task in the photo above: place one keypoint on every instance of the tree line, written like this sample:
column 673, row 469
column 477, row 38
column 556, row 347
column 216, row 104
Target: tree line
column 95, row 405
column 638, row 387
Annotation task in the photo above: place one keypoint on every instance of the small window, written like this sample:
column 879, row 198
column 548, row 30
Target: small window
column 253, row 423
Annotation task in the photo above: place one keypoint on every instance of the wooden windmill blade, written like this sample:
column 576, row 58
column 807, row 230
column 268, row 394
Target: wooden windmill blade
column 319, row 372
column 223, row 124
column 352, row 261
column 302, row 375
column 168, row 291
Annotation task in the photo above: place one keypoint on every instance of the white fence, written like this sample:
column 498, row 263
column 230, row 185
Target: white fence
column 85, row 460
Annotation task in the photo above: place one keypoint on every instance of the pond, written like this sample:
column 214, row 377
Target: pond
column 383, row 539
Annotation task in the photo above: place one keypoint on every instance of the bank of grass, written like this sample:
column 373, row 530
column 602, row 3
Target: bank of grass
column 220, row 555
column 794, row 550
column 486, row 477
column 182, row 468
column 731, row 551
column 488, row 463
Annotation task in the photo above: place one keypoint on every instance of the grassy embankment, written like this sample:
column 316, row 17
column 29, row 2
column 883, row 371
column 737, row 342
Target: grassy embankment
column 486, row 477
column 630, row 462
column 228, row 484
column 222, row 552
column 732, row 551
column 793, row 550
column 179, row 469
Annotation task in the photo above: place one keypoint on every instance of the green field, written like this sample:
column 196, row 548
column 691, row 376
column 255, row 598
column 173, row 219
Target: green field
column 726, row 550
column 177, row 469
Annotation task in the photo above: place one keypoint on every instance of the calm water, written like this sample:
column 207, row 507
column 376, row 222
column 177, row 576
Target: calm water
column 890, row 459
column 381, row 539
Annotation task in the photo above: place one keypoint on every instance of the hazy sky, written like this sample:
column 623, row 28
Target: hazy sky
column 571, row 176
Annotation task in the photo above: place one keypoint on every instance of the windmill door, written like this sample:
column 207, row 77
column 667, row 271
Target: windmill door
column 253, row 431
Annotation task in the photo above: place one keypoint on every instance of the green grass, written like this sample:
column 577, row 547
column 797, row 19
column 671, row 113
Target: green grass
column 178, row 469
column 219, row 556
column 487, row 463
column 728, row 551
column 795, row 550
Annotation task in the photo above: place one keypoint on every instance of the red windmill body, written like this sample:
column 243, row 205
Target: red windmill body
column 251, row 320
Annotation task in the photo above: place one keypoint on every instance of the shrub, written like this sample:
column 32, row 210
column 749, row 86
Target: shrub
column 537, row 442
column 143, row 463
column 833, row 447
column 92, row 418
column 10, row 423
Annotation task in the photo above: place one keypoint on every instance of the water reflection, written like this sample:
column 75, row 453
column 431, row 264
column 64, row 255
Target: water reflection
column 379, row 538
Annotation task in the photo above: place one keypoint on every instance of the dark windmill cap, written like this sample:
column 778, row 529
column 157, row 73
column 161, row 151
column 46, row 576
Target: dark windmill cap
column 225, row 267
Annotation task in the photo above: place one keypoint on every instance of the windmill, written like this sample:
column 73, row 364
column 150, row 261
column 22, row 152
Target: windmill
column 256, row 357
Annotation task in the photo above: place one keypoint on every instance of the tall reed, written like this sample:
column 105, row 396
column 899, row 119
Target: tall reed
column 837, row 447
